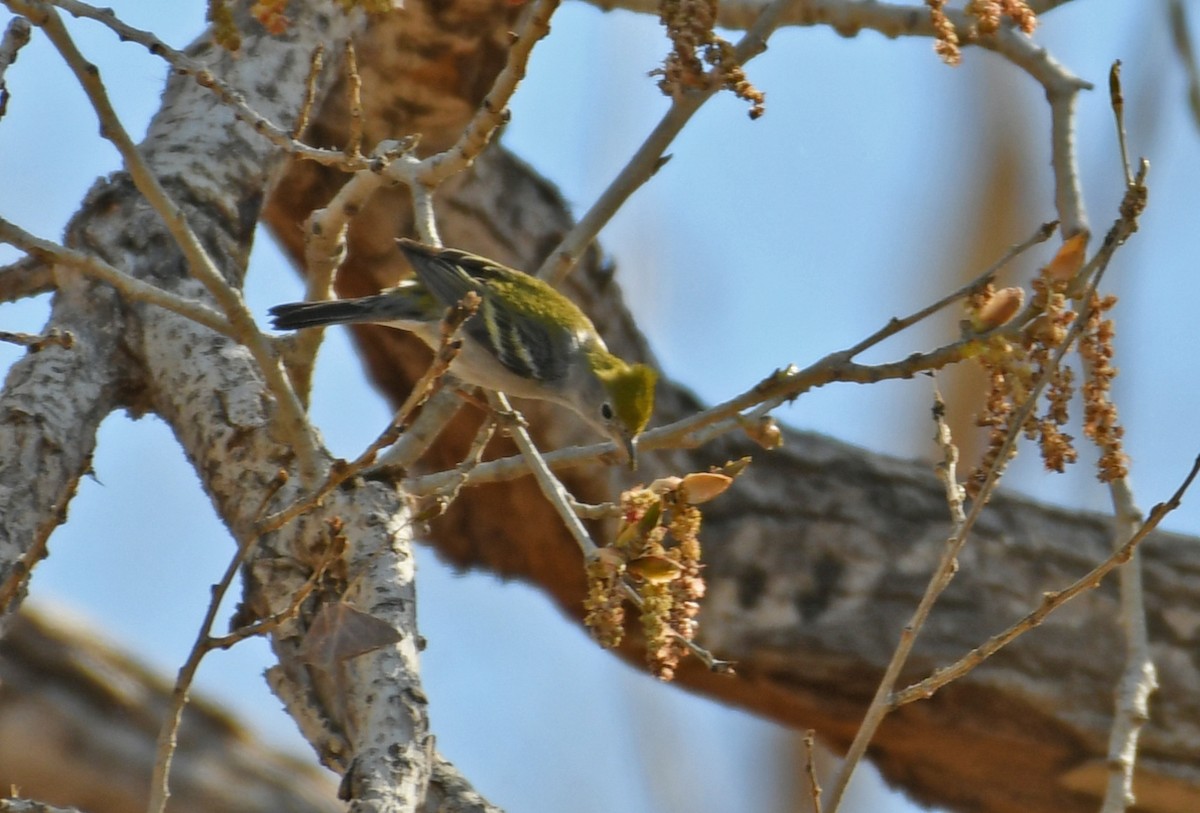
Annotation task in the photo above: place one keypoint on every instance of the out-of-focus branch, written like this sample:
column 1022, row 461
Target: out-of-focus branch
column 26, row 277
column 75, row 703
column 16, row 36
column 1181, row 35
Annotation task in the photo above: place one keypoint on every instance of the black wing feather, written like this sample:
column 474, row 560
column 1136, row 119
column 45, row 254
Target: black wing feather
column 528, row 348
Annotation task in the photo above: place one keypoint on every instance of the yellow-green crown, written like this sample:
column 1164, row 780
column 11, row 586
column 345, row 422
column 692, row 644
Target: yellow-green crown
column 631, row 388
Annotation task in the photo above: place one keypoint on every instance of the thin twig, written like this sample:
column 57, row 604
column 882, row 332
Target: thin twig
column 810, row 769
column 325, row 251
column 167, row 740
column 494, row 110
column 943, row 573
column 786, row 384
column 316, row 63
column 1117, row 102
column 649, row 157
column 132, row 288
column 554, row 491
column 422, row 176
column 1051, row 601
column 325, row 247
column 233, row 99
column 547, row 482
column 429, row 383
column 474, row 456
column 1139, row 678
column 1044, row 232
column 164, row 749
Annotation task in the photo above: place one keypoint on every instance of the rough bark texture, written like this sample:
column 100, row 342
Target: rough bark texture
column 369, row 721
column 818, row 556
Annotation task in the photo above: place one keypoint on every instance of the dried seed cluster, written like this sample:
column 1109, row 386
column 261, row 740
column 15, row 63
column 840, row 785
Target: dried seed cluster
column 656, row 554
column 1099, row 412
column 1016, row 362
column 695, row 46
column 986, row 17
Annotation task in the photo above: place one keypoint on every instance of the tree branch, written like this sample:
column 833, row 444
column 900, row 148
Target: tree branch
column 199, row 166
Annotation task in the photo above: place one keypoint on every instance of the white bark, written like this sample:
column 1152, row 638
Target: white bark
column 211, row 391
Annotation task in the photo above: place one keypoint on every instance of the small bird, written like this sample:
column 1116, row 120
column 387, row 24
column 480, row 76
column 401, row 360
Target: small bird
column 526, row 339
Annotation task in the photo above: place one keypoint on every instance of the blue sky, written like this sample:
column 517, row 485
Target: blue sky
column 761, row 243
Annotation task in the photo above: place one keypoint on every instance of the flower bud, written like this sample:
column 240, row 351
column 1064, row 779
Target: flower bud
column 1000, row 309
column 700, row 487
column 1069, row 259
column 765, row 432
column 654, row 568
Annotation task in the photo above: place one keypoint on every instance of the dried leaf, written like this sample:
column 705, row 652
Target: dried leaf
column 1070, row 257
column 654, row 568
column 340, row 632
column 700, row 487
column 1000, row 309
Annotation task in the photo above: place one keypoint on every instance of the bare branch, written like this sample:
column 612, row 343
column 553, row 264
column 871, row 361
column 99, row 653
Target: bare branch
column 201, row 264
column 16, row 37
column 494, row 110
column 1182, row 37
column 132, row 288
column 649, row 157
column 1050, row 602
column 28, row 276
column 50, row 410
column 233, row 99
column 428, row 385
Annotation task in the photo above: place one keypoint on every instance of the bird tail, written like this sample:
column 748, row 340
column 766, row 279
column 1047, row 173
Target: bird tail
column 391, row 307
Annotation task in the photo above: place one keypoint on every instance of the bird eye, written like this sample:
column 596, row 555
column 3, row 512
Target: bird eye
column 606, row 411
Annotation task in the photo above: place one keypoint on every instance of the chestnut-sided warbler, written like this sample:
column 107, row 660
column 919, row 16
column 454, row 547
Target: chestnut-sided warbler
column 526, row 339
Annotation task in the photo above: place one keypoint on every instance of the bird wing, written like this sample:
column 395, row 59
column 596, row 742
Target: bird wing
column 511, row 323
